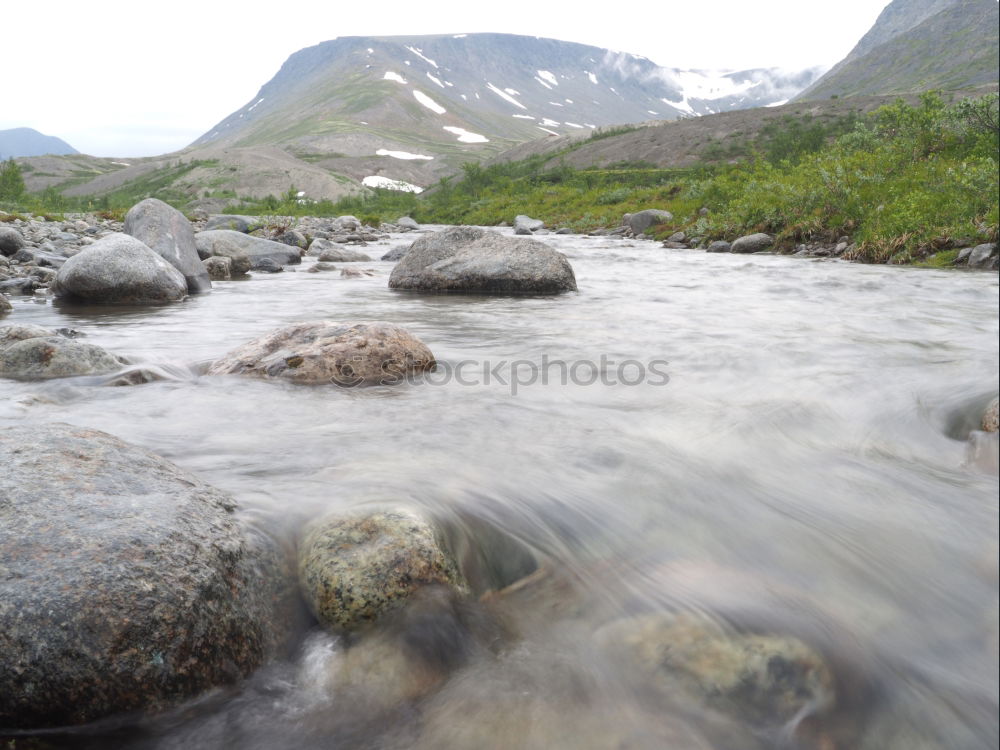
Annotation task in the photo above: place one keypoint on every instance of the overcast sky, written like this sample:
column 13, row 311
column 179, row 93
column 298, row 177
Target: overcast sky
column 137, row 78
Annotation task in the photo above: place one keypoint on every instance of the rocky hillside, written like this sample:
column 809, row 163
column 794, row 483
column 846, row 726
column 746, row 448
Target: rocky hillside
column 29, row 142
column 404, row 111
column 916, row 45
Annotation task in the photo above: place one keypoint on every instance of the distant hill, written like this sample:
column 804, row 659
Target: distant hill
column 917, row 45
column 29, row 142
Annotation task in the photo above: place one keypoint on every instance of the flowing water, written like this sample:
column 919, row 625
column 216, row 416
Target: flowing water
column 787, row 438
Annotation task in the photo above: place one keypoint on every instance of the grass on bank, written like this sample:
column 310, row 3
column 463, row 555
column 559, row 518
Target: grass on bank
column 906, row 183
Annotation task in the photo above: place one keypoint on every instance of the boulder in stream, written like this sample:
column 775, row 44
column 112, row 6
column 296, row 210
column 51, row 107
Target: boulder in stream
column 469, row 259
column 326, row 351
column 640, row 221
column 167, row 232
column 34, row 353
column 752, row 243
column 236, row 244
column 119, row 270
column 354, row 569
column 126, row 584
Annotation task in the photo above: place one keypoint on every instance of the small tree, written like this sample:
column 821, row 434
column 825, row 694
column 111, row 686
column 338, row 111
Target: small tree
column 11, row 181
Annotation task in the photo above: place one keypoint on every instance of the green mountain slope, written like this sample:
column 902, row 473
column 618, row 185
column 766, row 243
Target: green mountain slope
column 954, row 48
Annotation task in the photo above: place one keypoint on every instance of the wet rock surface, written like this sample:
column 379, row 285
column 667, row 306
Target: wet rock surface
column 125, row 584
column 354, row 569
column 35, row 353
column 469, row 259
column 119, row 270
column 167, row 232
column 324, row 351
column 236, row 244
column 752, row 243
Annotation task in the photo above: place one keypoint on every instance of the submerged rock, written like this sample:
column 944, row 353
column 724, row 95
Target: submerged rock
column 469, row 259
column 167, row 232
column 52, row 356
column 752, row 243
column 119, row 270
column 125, row 583
column 331, row 252
column 325, row 351
column 765, row 680
column 219, row 267
column 354, row 569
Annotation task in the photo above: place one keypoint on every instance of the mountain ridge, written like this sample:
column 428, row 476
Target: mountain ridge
column 30, row 142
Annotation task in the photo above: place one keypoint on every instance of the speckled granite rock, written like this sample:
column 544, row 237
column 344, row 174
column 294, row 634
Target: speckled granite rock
column 167, row 232
column 54, row 356
column 118, row 269
column 125, row 583
column 991, row 417
column 326, row 351
column 762, row 679
column 355, row 568
column 469, row 259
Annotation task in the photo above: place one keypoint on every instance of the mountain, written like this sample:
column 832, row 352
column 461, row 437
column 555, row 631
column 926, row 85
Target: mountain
column 415, row 108
column 917, row 45
column 29, row 142
column 405, row 111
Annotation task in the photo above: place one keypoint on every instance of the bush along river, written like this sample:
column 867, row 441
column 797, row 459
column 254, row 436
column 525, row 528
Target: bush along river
column 601, row 494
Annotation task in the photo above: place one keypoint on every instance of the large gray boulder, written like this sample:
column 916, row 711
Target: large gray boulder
column 325, row 351
column 354, row 569
column 119, row 270
column 125, row 583
column 11, row 241
column 167, row 232
column 752, row 243
column 469, row 259
column 33, row 353
column 236, row 244
column 407, row 224
column 640, row 221
column 983, row 256
column 5, row 306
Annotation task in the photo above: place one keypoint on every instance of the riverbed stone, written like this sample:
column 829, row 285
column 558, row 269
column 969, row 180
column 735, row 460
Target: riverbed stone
column 119, row 269
column 526, row 225
column 5, row 306
column 326, row 351
column 982, row 255
column 219, row 267
column 640, row 221
column 719, row 246
column 752, row 243
column 167, row 232
column 991, row 417
column 353, row 569
column 331, row 252
column 54, row 356
column 125, row 583
column 406, row 223
column 763, row 679
column 396, row 253
column 11, row 240
column 236, row 244
column 233, row 223
column 469, row 259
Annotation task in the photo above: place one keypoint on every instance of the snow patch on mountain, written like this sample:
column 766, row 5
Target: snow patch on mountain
column 378, row 181
column 503, row 95
column 401, row 154
column 390, row 76
column 465, row 136
column 432, row 105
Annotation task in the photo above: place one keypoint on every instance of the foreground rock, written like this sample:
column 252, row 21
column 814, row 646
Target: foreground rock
column 32, row 353
column 127, row 584
column 354, row 569
column 236, row 245
column 325, row 351
column 639, row 222
column 469, row 259
column 752, row 243
column 167, row 232
column 119, row 270
column 10, row 241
